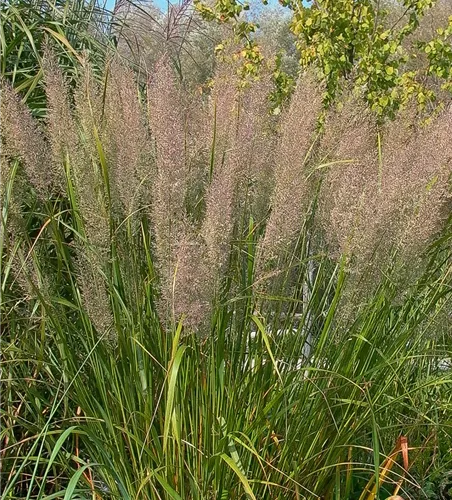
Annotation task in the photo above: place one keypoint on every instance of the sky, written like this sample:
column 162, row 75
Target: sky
column 162, row 4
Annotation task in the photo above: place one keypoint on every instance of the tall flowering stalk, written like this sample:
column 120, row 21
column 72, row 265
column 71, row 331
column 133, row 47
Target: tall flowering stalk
column 218, row 221
column 241, row 163
column 74, row 135
column 126, row 138
column 179, row 251
column 292, row 192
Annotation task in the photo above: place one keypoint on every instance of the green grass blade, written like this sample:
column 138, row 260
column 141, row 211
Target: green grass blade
column 240, row 475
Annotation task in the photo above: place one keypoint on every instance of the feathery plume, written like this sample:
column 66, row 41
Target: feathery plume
column 23, row 139
column 349, row 189
column 218, row 223
column 61, row 127
column 93, row 255
column 417, row 183
column 126, row 136
column 224, row 110
column 89, row 180
column 168, row 209
column 191, row 295
column 242, row 163
column 254, row 146
column 291, row 195
column 73, row 141
column 377, row 204
column 197, row 126
column 93, row 292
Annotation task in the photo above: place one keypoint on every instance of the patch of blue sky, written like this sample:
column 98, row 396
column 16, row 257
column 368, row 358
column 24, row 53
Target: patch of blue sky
column 163, row 4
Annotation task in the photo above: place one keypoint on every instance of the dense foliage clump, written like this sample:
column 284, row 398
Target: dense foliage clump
column 218, row 290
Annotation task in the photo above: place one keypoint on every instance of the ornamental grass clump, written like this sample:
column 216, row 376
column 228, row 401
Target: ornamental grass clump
column 177, row 329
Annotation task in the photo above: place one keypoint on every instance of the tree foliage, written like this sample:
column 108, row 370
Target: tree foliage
column 360, row 42
column 439, row 54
